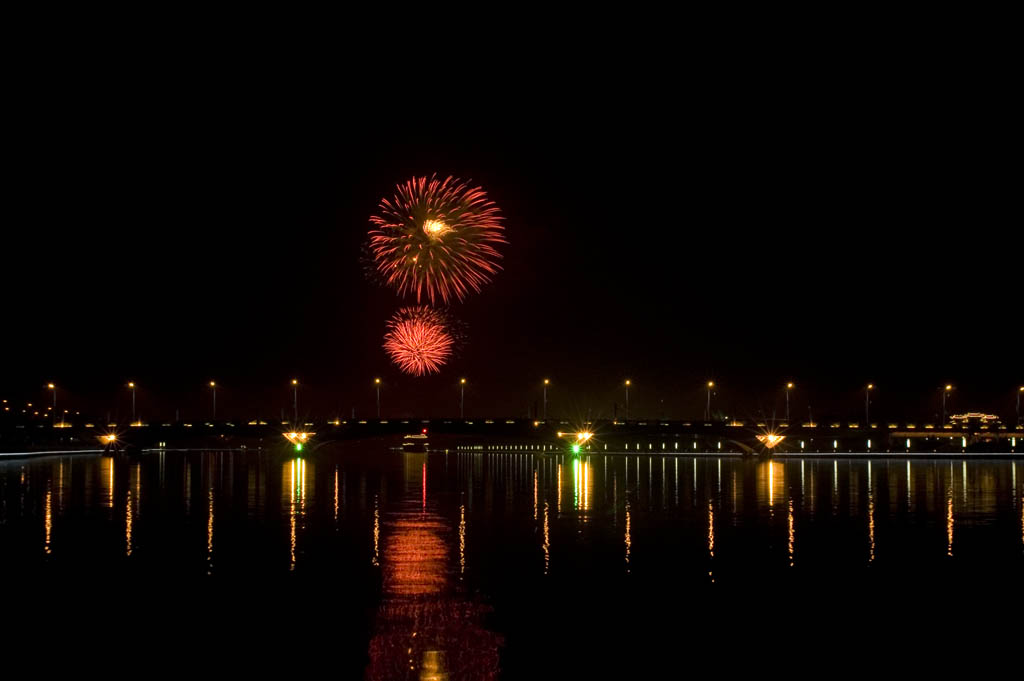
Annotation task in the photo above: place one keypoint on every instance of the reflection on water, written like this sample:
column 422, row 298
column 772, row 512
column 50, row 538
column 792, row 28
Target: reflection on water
column 426, row 628
column 434, row 538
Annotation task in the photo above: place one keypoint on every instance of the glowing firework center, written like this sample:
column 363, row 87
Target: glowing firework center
column 435, row 229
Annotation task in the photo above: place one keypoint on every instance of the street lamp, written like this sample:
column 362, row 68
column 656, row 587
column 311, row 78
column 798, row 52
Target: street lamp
column 627, row 399
column 867, row 404
column 462, row 398
column 214, row 386
column 948, row 389
column 545, row 412
column 376, row 382
column 1019, row 393
column 295, row 398
column 52, row 387
column 789, row 386
column 131, row 384
column 707, row 409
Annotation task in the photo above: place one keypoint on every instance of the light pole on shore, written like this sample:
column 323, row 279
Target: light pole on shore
column 1019, row 393
column 214, row 386
column 948, row 389
column 462, row 398
column 52, row 387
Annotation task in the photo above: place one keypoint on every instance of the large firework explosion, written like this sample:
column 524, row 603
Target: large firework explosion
column 420, row 340
column 436, row 239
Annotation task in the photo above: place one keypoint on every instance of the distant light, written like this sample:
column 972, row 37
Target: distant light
column 546, row 381
column 627, row 381
column 769, row 440
column 789, row 385
column 377, row 381
column 295, row 381
column 462, row 381
column 130, row 384
column 871, row 386
column 949, row 387
column 51, row 386
column 298, row 446
column 583, row 436
column 212, row 384
column 575, row 449
column 298, row 438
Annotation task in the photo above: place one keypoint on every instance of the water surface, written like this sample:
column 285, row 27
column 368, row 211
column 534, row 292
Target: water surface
column 391, row 565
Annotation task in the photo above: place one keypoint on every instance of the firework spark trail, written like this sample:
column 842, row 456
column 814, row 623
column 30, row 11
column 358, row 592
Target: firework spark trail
column 436, row 239
column 419, row 340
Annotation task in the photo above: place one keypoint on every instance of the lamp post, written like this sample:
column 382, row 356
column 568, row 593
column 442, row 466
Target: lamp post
column 627, row 399
column 52, row 387
column 131, row 384
column 214, row 386
column 462, row 398
column 1019, row 393
column 376, row 382
column 295, row 398
column 545, row 412
column 946, row 391
column 867, row 404
column 789, row 386
column 707, row 409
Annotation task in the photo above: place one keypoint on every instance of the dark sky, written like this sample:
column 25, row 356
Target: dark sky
column 829, row 235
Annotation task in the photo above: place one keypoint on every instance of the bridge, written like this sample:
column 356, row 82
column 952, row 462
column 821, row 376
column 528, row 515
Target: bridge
column 641, row 436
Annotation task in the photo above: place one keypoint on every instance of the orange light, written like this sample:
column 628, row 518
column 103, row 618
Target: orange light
column 297, row 438
column 769, row 440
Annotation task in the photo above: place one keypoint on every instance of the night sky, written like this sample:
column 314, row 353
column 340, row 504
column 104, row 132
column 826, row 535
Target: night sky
column 831, row 239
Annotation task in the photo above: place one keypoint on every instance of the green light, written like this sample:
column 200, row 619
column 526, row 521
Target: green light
column 575, row 449
column 298, row 446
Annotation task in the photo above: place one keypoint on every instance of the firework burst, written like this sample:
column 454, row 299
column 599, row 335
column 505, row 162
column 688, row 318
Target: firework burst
column 420, row 340
column 436, row 239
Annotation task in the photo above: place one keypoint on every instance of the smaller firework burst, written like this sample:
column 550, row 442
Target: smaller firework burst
column 420, row 340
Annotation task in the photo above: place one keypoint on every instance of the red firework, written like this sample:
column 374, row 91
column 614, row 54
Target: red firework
column 436, row 239
column 419, row 340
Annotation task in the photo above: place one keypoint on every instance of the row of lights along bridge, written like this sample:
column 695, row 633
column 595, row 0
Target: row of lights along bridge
column 946, row 390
